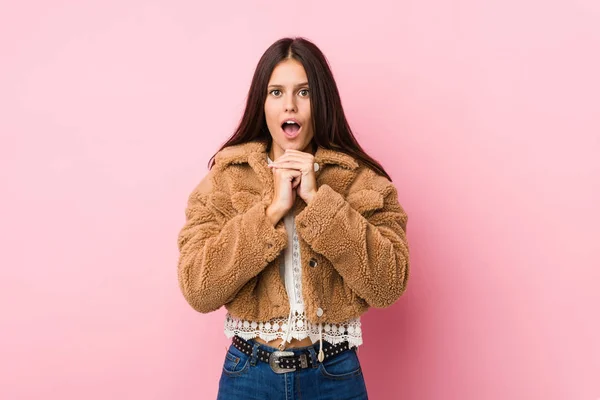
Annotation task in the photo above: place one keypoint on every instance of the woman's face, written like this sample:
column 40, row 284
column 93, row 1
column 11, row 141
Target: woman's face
column 288, row 100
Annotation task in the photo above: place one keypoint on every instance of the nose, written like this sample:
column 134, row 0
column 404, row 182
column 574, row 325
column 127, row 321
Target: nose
column 290, row 104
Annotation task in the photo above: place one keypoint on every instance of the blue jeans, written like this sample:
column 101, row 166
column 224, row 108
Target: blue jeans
column 245, row 377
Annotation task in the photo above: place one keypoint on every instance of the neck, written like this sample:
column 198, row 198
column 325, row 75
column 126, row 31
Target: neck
column 275, row 151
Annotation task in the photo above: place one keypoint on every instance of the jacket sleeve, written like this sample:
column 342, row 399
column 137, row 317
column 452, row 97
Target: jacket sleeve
column 370, row 252
column 219, row 254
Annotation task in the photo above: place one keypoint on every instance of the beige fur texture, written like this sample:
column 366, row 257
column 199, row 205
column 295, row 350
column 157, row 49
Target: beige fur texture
column 354, row 229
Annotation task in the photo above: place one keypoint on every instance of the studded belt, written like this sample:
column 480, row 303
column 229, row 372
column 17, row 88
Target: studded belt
column 287, row 361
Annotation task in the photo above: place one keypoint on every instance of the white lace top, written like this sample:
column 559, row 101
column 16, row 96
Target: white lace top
column 295, row 325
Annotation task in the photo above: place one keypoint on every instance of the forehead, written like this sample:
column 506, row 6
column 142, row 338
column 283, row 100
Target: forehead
column 288, row 72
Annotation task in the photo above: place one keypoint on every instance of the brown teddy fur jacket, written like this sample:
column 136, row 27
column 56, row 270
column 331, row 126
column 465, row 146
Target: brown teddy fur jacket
column 352, row 236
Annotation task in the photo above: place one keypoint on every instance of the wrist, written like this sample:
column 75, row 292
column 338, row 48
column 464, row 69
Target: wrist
column 273, row 215
column 311, row 197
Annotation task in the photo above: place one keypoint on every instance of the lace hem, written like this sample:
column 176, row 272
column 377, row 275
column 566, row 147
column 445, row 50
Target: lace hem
column 301, row 329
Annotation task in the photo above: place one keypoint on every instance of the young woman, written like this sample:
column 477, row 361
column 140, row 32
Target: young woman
column 297, row 232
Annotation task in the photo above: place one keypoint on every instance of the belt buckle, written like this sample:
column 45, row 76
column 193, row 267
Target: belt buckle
column 274, row 361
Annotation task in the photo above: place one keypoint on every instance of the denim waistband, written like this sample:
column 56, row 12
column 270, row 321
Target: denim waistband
column 296, row 350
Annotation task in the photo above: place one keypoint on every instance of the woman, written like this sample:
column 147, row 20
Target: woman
column 297, row 232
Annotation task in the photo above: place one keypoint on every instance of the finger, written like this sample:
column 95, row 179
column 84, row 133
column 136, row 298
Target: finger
column 286, row 164
column 294, row 164
column 292, row 151
column 288, row 173
column 286, row 170
column 298, row 155
column 295, row 155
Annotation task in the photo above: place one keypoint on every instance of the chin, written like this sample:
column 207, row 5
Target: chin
column 297, row 144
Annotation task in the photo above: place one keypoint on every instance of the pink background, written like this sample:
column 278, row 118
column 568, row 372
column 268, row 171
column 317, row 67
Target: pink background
column 486, row 114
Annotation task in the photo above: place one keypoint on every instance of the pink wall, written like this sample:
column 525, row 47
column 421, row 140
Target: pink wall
column 486, row 114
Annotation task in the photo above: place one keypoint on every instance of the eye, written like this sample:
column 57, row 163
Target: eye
column 304, row 92
column 275, row 92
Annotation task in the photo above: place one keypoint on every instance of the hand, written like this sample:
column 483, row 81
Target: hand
column 303, row 163
column 284, row 181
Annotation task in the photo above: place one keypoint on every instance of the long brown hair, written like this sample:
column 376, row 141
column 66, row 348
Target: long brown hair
column 330, row 127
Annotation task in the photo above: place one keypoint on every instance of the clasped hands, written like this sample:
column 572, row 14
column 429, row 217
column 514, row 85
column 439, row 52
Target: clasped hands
column 302, row 167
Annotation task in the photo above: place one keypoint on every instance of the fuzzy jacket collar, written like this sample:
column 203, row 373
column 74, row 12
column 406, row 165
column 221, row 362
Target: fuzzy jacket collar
column 242, row 153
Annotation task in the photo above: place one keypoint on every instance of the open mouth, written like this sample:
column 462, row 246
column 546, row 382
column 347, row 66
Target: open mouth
column 291, row 128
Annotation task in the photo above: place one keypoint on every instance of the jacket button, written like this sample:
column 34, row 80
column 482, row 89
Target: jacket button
column 312, row 262
column 319, row 312
column 316, row 167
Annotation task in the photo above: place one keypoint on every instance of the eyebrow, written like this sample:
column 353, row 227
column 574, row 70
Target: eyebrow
column 296, row 86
